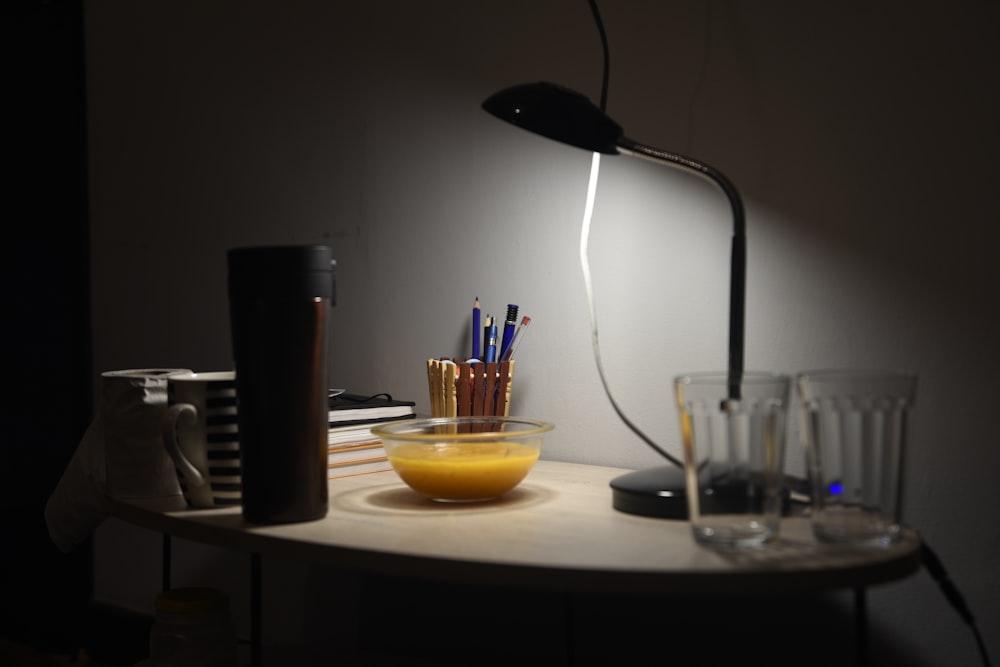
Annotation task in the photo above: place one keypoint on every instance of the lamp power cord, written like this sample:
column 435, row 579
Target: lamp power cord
column 932, row 563
column 585, row 266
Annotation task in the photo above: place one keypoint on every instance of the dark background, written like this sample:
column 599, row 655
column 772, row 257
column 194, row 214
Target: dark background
column 46, row 402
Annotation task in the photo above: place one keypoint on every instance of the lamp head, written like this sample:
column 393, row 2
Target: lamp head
column 557, row 113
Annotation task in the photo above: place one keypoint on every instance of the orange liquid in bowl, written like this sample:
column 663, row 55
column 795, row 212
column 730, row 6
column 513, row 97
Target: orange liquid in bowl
column 468, row 472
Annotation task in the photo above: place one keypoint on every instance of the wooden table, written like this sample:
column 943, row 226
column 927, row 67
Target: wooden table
column 556, row 531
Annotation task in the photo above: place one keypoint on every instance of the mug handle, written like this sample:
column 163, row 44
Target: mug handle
column 170, row 441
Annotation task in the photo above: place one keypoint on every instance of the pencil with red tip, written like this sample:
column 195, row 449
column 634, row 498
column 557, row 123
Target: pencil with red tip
column 516, row 340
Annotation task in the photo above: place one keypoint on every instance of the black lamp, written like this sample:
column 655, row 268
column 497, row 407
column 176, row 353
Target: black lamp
column 570, row 118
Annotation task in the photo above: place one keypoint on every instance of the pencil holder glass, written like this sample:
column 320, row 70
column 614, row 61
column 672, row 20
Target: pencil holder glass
column 470, row 389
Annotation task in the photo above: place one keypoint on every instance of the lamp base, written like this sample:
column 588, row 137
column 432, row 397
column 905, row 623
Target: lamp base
column 657, row 492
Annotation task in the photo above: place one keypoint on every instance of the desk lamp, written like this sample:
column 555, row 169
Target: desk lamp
column 570, row 118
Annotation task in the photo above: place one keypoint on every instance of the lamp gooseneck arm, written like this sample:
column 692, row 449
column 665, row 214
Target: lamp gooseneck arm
column 738, row 261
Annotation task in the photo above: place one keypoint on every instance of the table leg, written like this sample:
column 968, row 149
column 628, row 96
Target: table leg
column 165, row 562
column 570, row 619
column 255, row 613
column 861, row 625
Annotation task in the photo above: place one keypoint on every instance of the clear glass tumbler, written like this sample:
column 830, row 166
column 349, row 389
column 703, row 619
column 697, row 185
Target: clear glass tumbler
column 855, row 426
column 734, row 447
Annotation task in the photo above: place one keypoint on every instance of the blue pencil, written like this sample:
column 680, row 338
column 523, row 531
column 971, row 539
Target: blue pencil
column 476, row 331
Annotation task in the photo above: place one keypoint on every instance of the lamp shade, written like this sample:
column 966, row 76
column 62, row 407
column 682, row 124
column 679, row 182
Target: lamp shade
column 557, row 113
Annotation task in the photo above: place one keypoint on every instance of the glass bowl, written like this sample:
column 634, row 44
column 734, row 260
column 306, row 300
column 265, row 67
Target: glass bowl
column 463, row 459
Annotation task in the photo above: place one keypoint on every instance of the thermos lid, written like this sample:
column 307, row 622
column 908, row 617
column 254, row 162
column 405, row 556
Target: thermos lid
column 281, row 271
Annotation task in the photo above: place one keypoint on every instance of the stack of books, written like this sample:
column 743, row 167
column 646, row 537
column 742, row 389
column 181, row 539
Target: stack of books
column 352, row 448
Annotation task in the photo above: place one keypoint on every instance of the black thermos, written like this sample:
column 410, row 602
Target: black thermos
column 279, row 307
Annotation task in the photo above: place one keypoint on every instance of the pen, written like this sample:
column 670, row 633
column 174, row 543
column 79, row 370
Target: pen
column 486, row 335
column 508, row 328
column 475, row 330
column 518, row 337
column 491, row 339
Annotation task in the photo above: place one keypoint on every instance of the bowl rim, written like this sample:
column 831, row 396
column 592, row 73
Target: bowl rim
column 395, row 429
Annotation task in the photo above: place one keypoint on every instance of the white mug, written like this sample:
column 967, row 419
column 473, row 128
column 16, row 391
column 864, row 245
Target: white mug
column 127, row 426
column 201, row 435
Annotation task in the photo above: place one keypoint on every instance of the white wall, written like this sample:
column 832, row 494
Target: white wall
column 862, row 138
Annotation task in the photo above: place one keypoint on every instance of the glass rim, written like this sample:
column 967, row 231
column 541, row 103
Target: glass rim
column 415, row 430
column 747, row 377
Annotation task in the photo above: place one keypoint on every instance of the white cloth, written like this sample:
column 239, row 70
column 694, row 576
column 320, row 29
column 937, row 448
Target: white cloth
column 120, row 456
